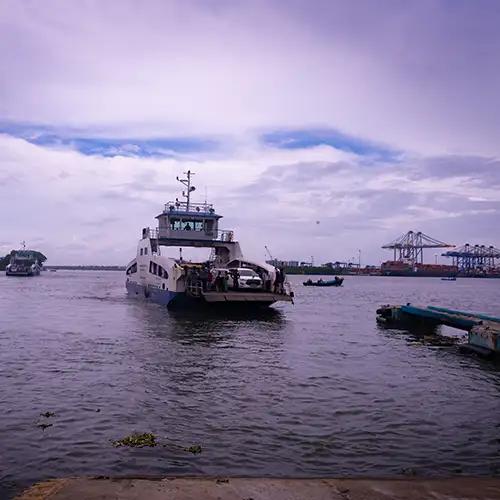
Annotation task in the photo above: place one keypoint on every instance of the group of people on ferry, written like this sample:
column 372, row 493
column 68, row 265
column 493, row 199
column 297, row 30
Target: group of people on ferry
column 209, row 278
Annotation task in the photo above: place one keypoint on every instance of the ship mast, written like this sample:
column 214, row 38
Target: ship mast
column 187, row 183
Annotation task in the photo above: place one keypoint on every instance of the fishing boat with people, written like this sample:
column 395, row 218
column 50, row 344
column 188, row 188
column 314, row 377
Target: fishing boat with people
column 226, row 278
column 24, row 262
column 335, row 282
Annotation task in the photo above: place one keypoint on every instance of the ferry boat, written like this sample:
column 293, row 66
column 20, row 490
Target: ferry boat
column 227, row 278
column 23, row 263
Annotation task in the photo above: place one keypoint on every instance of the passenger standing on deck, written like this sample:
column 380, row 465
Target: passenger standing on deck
column 210, row 278
column 236, row 278
column 268, row 282
column 204, row 278
column 277, row 279
column 282, row 280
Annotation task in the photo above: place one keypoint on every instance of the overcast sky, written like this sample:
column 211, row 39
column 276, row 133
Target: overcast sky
column 315, row 127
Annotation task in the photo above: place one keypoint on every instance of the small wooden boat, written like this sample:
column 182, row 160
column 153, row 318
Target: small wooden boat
column 335, row 282
column 449, row 278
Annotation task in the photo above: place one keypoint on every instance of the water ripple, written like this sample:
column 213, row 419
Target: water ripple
column 310, row 389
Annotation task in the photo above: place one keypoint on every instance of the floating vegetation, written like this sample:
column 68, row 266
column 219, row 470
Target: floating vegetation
column 195, row 449
column 434, row 340
column 408, row 471
column 48, row 414
column 148, row 439
column 43, row 425
column 137, row 440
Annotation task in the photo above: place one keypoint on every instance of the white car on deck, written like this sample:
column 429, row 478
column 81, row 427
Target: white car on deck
column 248, row 278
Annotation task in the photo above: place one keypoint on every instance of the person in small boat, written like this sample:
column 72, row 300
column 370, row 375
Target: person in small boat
column 309, row 281
column 320, row 280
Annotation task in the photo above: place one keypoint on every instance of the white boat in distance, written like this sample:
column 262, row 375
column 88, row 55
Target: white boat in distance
column 227, row 278
column 23, row 263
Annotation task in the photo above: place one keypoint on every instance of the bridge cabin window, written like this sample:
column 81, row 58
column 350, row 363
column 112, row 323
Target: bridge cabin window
column 188, row 225
column 132, row 269
column 141, row 251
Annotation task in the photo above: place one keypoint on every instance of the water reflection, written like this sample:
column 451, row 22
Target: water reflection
column 204, row 325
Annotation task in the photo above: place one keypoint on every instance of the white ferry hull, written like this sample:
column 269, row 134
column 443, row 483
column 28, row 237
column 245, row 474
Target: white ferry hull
column 157, row 295
column 174, row 300
column 23, row 272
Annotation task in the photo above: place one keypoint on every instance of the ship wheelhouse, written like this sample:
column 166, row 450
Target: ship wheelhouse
column 189, row 222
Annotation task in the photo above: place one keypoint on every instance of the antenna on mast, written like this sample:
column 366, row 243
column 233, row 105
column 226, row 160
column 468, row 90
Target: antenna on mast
column 23, row 243
column 190, row 189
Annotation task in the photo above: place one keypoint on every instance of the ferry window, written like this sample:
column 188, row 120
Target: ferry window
column 141, row 251
column 150, row 267
column 176, row 225
column 198, row 226
column 145, row 251
column 132, row 269
column 155, row 268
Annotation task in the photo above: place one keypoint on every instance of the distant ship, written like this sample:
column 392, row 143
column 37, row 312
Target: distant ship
column 23, row 263
column 401, row 268
column 227, row 278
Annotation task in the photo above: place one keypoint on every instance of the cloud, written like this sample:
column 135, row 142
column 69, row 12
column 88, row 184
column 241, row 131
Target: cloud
column 328, row 207
column 419, row 78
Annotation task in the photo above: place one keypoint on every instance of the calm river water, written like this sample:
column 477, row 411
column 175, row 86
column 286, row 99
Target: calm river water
column 314, row 389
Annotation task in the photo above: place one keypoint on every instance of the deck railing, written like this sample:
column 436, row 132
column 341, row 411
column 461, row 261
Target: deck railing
column 182, row 206
column 226, row 236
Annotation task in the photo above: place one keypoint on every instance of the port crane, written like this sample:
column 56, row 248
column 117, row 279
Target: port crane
column 474, row 257
column 410, row 247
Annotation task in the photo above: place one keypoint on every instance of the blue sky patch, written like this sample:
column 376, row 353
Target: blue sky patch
column 308, row 138
column 99, row 146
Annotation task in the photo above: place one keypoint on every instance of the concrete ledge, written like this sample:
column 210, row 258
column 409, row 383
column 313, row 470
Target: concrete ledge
column 186, row 488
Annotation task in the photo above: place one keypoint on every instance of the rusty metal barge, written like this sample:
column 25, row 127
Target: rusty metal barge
column 483, row 330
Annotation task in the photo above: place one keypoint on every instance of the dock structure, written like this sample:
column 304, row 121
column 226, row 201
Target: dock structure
column 483, row 330
column 230, row 488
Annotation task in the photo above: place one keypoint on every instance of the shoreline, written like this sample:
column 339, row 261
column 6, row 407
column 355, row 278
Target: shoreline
column 232, row 488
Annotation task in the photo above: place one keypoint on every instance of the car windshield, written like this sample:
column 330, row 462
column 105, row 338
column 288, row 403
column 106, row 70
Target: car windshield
column 248, row 272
